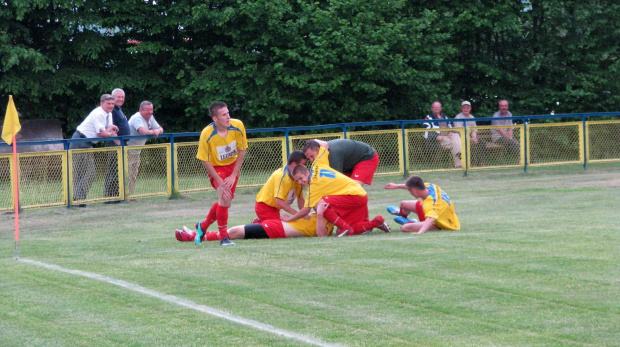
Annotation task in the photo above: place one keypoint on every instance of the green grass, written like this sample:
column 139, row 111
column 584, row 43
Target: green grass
column 536, row 263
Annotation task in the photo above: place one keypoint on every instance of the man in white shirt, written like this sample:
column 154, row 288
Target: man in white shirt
column 141, row 123
column 98, row 123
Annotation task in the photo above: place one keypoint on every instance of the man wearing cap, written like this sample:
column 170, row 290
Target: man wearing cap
column 98, row 123
column 478, row 145
column 446, row 139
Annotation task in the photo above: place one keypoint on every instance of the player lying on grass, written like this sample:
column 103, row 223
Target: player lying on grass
column 315, row 225
column 434, row 209
column 347, row 200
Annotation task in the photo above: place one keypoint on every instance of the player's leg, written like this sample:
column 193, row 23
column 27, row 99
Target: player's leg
column 265, row 212
column 415, row 227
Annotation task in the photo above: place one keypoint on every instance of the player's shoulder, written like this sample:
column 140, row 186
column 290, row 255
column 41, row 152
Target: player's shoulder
column 237, row 123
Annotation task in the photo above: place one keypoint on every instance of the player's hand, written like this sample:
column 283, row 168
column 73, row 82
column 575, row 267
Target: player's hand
column 229, row 182
column 285, row 218
column 321, row 206
column 390, row 186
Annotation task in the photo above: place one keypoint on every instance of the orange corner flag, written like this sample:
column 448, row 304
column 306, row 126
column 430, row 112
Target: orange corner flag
column 11, row 122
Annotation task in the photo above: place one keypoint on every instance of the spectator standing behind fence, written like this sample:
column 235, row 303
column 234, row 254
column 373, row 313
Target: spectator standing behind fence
column 478, row 145
column 98, row 123
column 280, row 191
column 221, row 149
column 354, row 159
column 120, row 120
column 445, row 139
column 141, row 123
column 434, row 207
column 504, row 136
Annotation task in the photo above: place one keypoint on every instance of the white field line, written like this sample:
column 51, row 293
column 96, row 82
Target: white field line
column 185, row 303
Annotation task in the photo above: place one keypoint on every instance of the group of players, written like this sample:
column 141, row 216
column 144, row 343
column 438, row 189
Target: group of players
column 333, row 188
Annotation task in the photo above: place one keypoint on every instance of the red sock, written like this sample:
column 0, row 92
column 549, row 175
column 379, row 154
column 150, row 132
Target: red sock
column 333, row 218
column 360, row 228
column 401, row 213
column 420, row 211
column 222, row 221
column 211, row 217
column 211, row 236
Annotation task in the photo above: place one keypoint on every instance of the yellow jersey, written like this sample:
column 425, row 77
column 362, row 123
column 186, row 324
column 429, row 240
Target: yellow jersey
column 280, row 185
column 326, row 181
column 222, row 151
column 437, row 205
column 308, row 226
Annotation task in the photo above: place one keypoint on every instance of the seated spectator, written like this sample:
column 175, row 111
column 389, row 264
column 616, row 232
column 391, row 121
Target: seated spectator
column 478, row 145
column 440, row 138
column 504, row 136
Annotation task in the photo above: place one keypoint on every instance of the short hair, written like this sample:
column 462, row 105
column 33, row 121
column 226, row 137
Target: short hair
column 216, row 106
column 503, row 100
column 145, row 103
column 115, row 91
column 105, row 97
column 415, row 182
column 311, row 144
column 296, row 157
column 300, row 169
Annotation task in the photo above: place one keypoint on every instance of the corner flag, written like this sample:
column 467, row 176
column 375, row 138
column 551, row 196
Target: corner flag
column 10, row 128
column 11, row 122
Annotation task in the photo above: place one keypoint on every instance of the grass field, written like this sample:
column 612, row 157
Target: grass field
column 537, row 262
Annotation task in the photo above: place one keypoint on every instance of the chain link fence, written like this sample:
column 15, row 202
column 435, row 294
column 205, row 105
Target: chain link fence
column 83, row 176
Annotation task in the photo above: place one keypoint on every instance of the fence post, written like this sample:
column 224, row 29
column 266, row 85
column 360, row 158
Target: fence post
column 69, row 197
column 585, row 142
column 172, row 175
column 402, row 131
column 525, row 156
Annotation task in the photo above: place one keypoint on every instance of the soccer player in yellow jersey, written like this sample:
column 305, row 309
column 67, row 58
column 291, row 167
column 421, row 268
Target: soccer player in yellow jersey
column 221, row 149
column 435, row 209
column 272, row 229
column 348, row 201
column 280, row 191
column 354, row 159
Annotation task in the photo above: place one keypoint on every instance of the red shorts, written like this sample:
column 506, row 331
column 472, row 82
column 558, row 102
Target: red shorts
column 265, row 212
column 223, row 172
column 364, row 171
column 352, row 208
column 274, row 229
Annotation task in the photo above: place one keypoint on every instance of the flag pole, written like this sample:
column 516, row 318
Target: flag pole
column 16, row 194
column 10, row 128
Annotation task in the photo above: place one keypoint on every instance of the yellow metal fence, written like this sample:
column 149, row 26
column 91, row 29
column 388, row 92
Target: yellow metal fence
column 104, row 174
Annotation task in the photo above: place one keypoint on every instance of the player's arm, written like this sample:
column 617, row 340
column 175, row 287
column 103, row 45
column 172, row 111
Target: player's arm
column 322, row 143
column 211, row 171
column 395, row 186
column 303, row 212
column 230, row 180
column 285, row 206
column 301, row 202
column 321, row 228
column 428, row 224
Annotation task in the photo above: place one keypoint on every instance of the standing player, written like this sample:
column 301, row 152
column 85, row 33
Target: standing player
column 347, row 200
column 435, row 209
column 280, row 191
column 354, row 159
column 221, row 149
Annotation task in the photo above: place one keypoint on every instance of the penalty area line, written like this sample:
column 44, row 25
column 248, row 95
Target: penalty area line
column 184, row 303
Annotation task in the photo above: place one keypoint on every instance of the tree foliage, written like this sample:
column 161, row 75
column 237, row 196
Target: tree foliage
column 287, row 62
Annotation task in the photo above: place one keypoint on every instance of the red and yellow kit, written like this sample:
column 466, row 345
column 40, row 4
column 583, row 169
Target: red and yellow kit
column 437, row 205
column 222, row 151
column 326, row 181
